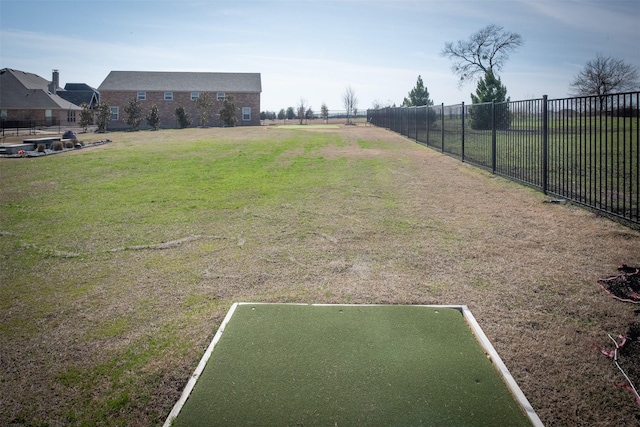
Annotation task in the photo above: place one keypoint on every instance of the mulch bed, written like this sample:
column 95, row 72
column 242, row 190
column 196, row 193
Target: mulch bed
column 48, row 152
column 625, row 286
column 625, row 351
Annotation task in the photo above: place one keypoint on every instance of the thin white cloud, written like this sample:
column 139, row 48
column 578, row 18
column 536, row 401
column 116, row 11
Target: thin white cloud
column 315, row 48
column 603, row 17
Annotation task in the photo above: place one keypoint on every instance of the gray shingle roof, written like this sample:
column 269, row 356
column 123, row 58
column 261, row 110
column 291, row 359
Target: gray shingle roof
column 22, row 90
column 79, row 93
column 78, row 97
column 181, row 81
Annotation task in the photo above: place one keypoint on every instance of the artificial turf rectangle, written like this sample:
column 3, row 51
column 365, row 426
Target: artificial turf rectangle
column 279, row 364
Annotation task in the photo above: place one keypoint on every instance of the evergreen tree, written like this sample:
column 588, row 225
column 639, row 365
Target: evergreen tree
column 184, row 121
column 134, row 113
column 104, row 116
column 489, row 89
column 418, row 96
column 228, row 112
column 204, row 103
column 324, row 112
column 153, row 119
column 291, row 113
column 86, row 116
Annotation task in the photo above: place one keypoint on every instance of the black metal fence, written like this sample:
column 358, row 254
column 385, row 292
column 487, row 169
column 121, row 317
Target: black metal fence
column 28, row 126
column 583, row 149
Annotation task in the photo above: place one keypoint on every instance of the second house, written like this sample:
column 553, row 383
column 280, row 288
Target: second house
column 170, row 90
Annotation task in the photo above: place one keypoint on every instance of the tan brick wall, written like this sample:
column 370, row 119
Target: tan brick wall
column 25, row 115
column 62, row 116
column 166, row 109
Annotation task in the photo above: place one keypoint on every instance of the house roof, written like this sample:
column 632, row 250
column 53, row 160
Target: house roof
column 79, row 93
column 181, row 81
column 78, row 86
column 28, row 91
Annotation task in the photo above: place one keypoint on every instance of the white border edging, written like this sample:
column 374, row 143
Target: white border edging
column 501, row 367
column 466, row 313
column 196, row 374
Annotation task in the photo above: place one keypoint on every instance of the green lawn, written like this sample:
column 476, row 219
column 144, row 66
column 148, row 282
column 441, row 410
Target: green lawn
column 83, row 265
column 119, row 262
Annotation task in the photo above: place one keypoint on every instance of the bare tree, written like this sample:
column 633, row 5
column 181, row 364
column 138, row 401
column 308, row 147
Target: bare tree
column 487, row 49
column 605, row 75
column 350, row 102
column 302, row 108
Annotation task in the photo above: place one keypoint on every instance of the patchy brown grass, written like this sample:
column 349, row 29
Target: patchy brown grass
column 426, row 229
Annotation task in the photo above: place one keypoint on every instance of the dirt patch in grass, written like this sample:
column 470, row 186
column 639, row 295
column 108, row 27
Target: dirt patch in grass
column 110, row 336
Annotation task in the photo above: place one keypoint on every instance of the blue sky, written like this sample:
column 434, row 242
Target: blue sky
column 313, row 50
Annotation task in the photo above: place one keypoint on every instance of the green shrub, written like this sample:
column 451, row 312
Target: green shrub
column 184, row 121
column 57, row 146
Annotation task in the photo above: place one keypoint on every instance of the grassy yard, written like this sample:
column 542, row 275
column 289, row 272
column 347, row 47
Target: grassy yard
column 118, row 262
column 591, row 160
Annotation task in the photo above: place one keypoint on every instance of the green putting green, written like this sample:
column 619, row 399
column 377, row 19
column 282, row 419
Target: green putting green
column 307, row 126
column 287, row 364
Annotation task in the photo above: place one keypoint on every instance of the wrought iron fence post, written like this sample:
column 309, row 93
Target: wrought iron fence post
column 545, row 146
column 442, row 124
column 428, row 124
column 463, row 131
column 415, row 122
column 493, row 136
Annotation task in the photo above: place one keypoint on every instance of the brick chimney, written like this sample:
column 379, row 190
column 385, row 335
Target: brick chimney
column 55, row 82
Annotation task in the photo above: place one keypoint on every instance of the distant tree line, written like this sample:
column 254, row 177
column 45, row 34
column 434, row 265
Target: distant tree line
column 303, row 112
column 479, row 58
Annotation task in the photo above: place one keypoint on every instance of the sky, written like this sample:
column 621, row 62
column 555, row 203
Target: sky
column 313, row 50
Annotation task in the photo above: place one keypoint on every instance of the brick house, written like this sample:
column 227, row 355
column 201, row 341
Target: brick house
column 27, row 97
column 169, row 90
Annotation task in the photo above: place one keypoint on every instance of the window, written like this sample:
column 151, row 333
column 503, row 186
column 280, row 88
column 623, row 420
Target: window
column 246, row 113
column 3, row 114
column 168, row 96
column 115, row 113
column 71, row 116
column 195, row 95
column 142, row 96
column 220, row 96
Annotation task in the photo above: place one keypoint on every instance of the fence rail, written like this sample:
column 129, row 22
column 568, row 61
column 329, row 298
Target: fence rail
column 583, row 149
column 29, row 125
